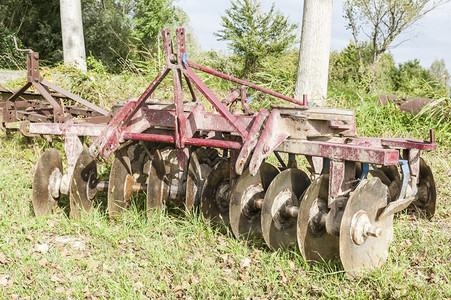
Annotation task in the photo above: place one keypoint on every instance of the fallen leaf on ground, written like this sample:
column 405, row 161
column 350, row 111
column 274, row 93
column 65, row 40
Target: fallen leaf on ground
column 245, row 262
column 3, row 258
column 57, row 278
column 139, row 285
column 42, row 248
column 43, row 262
column 4, row 279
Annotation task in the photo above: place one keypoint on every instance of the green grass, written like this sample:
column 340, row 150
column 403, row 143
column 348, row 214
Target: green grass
column 175, row 254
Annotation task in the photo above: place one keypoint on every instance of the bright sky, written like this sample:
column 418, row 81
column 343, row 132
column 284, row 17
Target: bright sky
column 427, row 40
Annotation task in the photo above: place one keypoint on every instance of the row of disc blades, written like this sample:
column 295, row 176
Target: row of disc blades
column 135, row 168
column 285, row 207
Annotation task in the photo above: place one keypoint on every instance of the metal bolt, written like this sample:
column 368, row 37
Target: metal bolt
column 258, row 203
column 372, row 230
column 292, row 211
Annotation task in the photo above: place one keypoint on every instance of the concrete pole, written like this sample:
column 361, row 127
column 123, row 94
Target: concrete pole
column 72, row 30
column 313, row 68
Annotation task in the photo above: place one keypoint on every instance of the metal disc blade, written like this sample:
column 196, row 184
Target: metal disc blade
column 389, row 175
column 157, row 186
column 279, row 229
column 215, row 197
column 201, row 162
column 358, row 250
column 120, row 169
column 244, row 215
column 195, row 180
column 49, row 163
column 427, row 193
column 83, row 182
column 313, row 240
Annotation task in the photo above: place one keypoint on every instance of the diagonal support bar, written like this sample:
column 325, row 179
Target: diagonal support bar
column 221, row 108
column 75, row 97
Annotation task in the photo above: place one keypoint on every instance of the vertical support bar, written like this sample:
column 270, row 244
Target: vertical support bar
column 341, row 179
column 292, row 163
column 316, row 163
column 233, row 159
column 180, row 120
column 414, row 161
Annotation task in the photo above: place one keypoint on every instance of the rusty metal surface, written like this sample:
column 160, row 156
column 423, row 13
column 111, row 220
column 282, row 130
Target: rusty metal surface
column 412, row 105
column 342, row 152
column 244, row 213
column 426, row 197
column 157, row 184
column 278, row 227
column 118, row 198
column 201, row 162
column 314, row 241
column 83, row 185
column 54, row 111
column 43, row 201
column 215, row 197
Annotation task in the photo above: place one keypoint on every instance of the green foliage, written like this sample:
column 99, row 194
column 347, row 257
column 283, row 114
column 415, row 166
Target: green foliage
column 10, row 58
column 346, row 69
column 409, row 75
column 150, row 16
column 387, row 120
column 253, row 34
column 439, row 72
column 36, row 24
column 119, row 33
column 107, row 30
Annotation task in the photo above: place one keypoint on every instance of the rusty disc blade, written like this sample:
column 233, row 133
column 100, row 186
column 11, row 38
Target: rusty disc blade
column 197, row 174
column 83, row 184
column 215, row 198
column 427, row 194
column 201, row 162
column 194, row 182
column 313, row 240
column 358, row 250
column 244, row 214
column 49, row 166
column 279, row 228
column 126, row 170
column 120, row 170
column 157, row 185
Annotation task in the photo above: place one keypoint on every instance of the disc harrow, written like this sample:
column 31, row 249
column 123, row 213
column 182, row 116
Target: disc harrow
column 219, row 163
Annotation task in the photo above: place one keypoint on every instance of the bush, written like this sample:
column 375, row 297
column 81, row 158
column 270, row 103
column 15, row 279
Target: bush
column 10, row 58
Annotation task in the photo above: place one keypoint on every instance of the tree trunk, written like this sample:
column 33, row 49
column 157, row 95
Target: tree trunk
column 72, row 30
column 314, row 53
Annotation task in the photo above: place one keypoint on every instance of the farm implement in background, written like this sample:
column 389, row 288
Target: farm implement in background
column 217, row 162
column 47, row 104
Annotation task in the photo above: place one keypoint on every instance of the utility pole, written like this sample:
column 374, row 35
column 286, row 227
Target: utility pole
column 313, row 68
column 72, row 31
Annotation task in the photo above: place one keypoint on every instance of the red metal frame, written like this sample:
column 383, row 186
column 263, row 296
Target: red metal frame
column 314, row 132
